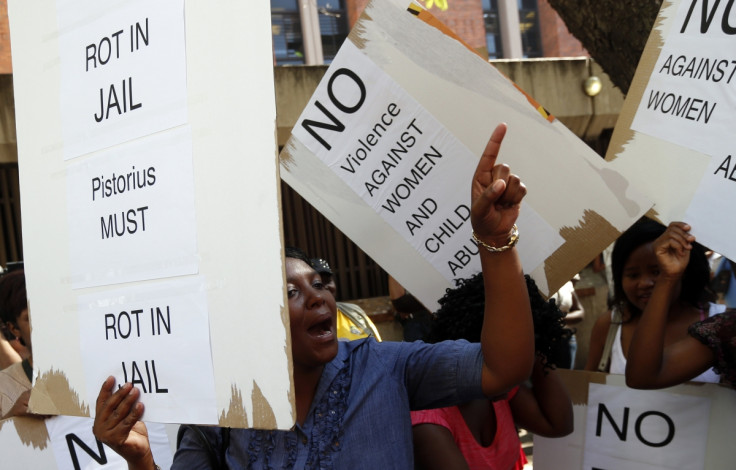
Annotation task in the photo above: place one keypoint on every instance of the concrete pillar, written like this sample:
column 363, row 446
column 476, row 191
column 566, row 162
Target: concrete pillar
column 508, row 16
column 311, row 34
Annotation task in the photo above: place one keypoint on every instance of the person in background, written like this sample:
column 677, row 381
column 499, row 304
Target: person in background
column 353, row 398
column 724, row 282
column 9, row 348
column 352, row 321
column 414, row 317
column 481, row 434
column 15, row 381
column 655, row 362
column 636, row 272
column 569, row 304
column 11, row 351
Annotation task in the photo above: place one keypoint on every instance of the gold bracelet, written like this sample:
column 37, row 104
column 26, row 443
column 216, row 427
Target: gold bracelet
column 513, row 240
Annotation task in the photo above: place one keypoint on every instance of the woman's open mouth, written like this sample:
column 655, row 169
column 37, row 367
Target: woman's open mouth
column 322, row 330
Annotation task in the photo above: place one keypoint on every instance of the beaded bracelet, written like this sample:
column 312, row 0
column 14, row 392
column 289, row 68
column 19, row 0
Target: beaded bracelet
column 513, row 240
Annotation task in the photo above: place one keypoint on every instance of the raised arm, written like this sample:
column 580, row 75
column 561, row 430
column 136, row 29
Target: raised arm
column 545, row 407
column 507, row 337
column 435, row 449
column 650, row 364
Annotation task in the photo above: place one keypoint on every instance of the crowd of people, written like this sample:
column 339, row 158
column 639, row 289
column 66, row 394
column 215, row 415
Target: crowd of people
column 455, row 392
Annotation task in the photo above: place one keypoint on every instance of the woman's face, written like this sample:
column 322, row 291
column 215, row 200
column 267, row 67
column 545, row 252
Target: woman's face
column 639, row 275
column 312, row 314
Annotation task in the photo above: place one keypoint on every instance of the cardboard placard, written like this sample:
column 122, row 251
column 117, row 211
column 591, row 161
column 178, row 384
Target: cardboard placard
column 67, row 443
column 140, row 234
column 387, row 146
column 673, row 137
column 685, row 426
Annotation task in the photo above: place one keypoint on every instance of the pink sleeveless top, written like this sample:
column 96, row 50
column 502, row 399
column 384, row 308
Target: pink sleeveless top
column 505, row 451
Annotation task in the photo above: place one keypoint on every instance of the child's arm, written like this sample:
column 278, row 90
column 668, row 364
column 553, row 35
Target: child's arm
column 649, row 364
column 545, row 407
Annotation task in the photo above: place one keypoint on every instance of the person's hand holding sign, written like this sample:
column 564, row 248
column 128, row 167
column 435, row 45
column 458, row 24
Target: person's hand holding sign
column 117, row 424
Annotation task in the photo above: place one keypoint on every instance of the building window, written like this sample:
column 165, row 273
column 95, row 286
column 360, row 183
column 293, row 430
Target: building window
column 531, row 43
column 493, row 29
column 286, row 29
column 333, row 26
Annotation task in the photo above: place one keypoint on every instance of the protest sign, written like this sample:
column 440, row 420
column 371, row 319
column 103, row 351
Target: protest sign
column 387, row 145
column 123, row 71
column 618, row 427
column 75, row 446
column 136, row 330
column 137, row 145
column 131, row 212
column 673, row 137
column 649, row 427
column 67, row 443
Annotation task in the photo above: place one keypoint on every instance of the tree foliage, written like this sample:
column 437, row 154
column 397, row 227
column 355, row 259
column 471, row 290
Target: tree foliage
column 613, row 31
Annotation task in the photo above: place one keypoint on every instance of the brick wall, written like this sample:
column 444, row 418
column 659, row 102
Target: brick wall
column 6, row 65
column 465, row 17
column 556, row 39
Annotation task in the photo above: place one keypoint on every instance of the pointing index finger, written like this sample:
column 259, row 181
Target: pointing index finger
column 488, row 159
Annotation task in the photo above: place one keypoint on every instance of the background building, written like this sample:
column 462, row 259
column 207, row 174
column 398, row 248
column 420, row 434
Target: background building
column 532, row 25
column 309, row 32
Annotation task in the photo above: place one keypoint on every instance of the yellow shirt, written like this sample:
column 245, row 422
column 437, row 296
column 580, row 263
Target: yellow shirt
column 351, row 328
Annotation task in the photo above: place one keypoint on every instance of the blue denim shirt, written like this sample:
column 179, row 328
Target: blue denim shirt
column 360, row 414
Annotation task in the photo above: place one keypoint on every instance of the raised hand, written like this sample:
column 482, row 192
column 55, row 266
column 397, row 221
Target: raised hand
column 496, row 194
column 117, row 424
column 672, row 249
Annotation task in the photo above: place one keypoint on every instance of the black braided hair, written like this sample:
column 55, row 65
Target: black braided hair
column 460, row 316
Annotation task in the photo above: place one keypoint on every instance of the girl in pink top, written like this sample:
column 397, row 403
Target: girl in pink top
column 482, row 434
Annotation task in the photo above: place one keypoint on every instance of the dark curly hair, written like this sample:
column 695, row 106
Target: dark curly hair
column 460, row 316
column 695, row 281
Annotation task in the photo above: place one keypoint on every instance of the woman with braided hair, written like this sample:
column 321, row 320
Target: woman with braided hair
column 481, row 434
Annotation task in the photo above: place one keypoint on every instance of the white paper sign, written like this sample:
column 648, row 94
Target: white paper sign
column 75, row 446
column 157, row 337
column 123, row 71
column 677, row 122
column 690, row 97
column 131, row 212
column 717, row 190
column 634, row 429
column 227, row 81
column 401, row 161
